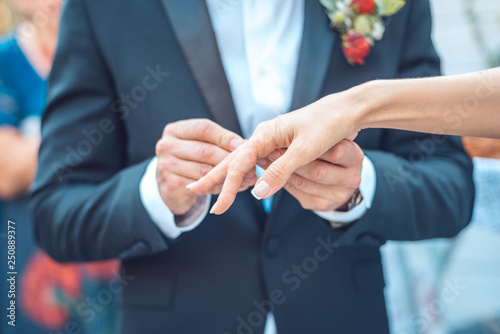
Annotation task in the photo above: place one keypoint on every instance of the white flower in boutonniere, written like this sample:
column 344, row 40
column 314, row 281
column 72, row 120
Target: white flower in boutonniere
column 360, row 24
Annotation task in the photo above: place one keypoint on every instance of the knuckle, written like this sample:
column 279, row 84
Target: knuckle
column 163, row 145
column 162, row 167
column 281, row 121
column 234, row 170
column 262, row 126
column 224, row 139
column 206, row 151
column 251, row 173
column 277, row 171
column 169, row 164
column 323, row 205
column 360, row 156
column 169, row 127
column 339, row 151
column 306, row 204
column 354, row 182
column 173, row 182
column 202, row 126
column 231, row 193
column 263, row 136
column 300, row 182
column 165, row 165
column 318, row 172
column 205, row 169
column 339, row 197
column 160, row 147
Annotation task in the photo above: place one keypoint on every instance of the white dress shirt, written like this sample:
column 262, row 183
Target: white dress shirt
column 259, row 43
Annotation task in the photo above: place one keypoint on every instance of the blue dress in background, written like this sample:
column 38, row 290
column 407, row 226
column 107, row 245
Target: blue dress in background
column 22, row 92
column 22, row 96
column 50, row 297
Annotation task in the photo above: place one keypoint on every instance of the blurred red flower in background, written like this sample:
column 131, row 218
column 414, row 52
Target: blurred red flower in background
column 102, row 270
column 43, row 278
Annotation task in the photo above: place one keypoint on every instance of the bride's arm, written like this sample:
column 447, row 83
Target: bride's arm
column 466, row 104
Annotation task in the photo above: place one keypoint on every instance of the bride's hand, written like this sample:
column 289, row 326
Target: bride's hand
column 306, row 134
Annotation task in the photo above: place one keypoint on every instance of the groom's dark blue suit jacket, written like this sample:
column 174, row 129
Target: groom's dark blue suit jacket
column 124, row 69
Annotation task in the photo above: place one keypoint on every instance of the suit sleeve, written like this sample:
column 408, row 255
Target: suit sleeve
column 424, row 182
column 86, row 201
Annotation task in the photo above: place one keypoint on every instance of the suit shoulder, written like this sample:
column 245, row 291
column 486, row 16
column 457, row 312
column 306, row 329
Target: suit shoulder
column 99, row 7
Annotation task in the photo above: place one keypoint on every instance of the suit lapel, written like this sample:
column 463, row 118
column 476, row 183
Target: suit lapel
column 318, row 42
column 193, row 29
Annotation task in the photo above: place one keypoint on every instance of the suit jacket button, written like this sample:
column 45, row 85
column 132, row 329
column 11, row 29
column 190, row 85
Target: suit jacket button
column 272, row 246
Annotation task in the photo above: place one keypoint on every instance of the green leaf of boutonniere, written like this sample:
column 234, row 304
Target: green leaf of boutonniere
column 328, row 4
column 363, row 25
column 360, row 23
column 391, row 7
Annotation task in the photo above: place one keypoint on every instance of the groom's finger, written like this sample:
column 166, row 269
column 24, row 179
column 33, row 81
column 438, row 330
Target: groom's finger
column 189, row 169
column 321, row 172
column 204, row 130
column 346, row 154
column 190, row 150
column 195, row 171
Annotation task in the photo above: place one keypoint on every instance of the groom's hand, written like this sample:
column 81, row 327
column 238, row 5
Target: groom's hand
column 188, row 150
column 329, row 182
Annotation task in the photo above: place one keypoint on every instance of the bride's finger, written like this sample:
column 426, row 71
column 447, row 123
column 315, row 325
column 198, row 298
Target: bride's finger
column 212, row 180
column 277, row 174
column 243, row 161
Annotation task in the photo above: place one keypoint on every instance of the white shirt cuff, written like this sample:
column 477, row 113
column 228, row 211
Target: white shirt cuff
column 367, row 188
column 159, row 211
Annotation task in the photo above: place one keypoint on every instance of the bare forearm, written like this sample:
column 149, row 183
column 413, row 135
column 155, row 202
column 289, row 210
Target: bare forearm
column 466, row 104
column 457, row 105
column 18, row 168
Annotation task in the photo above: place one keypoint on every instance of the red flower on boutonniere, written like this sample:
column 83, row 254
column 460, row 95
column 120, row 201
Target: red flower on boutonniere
column 356, row 47
column 360, row 24
column 363, row 6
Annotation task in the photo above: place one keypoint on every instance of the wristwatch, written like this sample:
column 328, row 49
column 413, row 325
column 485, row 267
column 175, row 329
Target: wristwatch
column 356, row 198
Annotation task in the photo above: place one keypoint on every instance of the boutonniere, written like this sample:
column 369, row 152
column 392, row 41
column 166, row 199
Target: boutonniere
column 360, row 24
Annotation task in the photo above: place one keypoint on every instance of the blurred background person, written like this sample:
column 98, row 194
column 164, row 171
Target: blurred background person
column 50, row 297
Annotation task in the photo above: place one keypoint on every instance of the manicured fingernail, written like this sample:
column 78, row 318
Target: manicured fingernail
column 236, row 142
column 262, row 162
column 213, row 209
column 260, row 190
column 191, row 185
